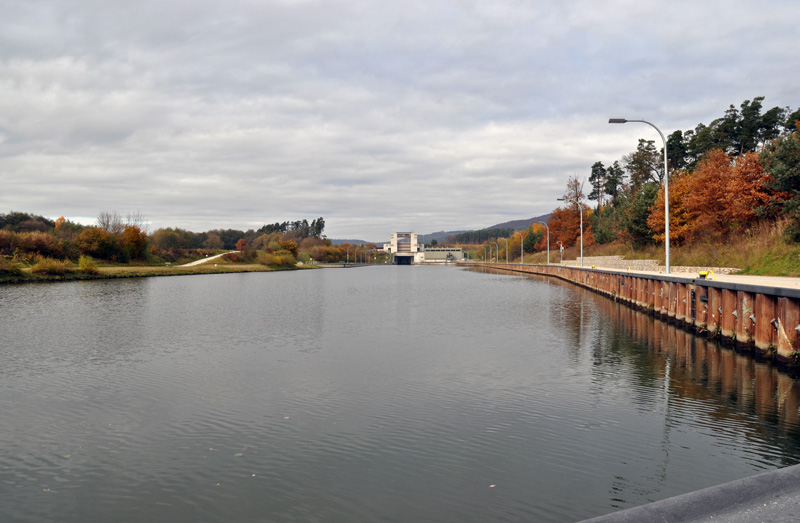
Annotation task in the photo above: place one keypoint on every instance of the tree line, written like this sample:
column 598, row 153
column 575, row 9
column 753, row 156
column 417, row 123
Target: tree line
column 24, row 237
column 722, row 177
column 726, row 176
column 479, row 236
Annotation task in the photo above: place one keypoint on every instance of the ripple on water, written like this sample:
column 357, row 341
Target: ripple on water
column 372, row 394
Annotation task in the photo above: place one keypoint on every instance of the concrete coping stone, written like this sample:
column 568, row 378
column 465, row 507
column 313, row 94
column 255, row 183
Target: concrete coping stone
column 769, row 496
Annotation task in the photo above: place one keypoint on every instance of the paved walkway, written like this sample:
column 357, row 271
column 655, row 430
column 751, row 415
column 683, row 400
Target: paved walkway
column 785, row 282
column 766, row 281
column 204, row 260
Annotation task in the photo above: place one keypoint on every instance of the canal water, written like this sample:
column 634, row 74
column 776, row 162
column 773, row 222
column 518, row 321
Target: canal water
column 370, row 394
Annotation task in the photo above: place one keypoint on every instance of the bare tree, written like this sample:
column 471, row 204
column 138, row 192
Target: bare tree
column 137, row 219
column 111, row 221
column 114, row 223
column 574, row 193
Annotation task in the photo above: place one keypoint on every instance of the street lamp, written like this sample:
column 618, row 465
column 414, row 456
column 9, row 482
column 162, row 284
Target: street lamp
column 496, row 251
column 521, row 252
column 561, row 252
column 506, row 239
column 666, row 181
column 548, row 241
column 580, row 208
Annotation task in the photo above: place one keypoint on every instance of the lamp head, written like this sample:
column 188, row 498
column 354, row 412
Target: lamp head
column 617, row 120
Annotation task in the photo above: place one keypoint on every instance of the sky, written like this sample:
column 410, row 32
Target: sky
column 380, row 116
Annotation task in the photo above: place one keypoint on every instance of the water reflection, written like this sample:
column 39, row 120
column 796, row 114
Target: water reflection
column 695, row 368
column 106, row 318
column 695, row 401
column 387, row 393
column 690, row 367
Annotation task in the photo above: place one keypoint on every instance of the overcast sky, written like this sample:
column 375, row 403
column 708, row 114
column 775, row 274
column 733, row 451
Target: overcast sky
column 377, row 115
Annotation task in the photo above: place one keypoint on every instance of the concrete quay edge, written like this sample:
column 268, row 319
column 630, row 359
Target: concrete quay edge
column 769, row 496
column 774, row 285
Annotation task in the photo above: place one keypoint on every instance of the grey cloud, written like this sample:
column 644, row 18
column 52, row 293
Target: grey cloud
column 374, row 115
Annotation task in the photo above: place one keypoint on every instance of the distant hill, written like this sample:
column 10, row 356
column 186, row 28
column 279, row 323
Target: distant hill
column 354, row 242
column 441, row 236
column 520, row 224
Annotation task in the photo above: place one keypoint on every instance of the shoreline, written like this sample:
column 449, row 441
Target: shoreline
column 759, row 318
column 109, row 273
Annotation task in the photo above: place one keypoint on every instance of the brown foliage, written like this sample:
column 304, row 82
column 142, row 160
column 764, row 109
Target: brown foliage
column 133, row 241
column 49, row 266
column 720, row 197
column 8, row 242
column 328, row 253
column 290, row 246
column 565, row 227
column 280, row 258
column 39, row 243
column 97, row 243
column 9, row 267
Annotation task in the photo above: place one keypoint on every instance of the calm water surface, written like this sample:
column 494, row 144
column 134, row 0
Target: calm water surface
column 370, row 394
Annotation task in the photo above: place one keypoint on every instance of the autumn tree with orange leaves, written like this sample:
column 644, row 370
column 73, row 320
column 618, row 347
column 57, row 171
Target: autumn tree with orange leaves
column 720, row 197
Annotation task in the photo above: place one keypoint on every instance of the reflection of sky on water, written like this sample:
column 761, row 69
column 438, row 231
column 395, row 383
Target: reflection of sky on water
column 390, row 393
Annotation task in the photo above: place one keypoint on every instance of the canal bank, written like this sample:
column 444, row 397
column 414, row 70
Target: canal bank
column 760, row 318
column 770, row 496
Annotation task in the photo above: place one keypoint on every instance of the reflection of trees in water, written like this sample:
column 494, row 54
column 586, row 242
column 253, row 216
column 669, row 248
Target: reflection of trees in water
column 624, row 343
column 761, row 399
column 678, row 384
column 750, row 400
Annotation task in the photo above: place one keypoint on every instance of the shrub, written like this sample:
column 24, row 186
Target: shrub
column 9, row 267
column 49, row 266
column 277, row 259
column 133, row 242
column 35, row 243
column 87, row 265
column 8, row 242
column 97, row 243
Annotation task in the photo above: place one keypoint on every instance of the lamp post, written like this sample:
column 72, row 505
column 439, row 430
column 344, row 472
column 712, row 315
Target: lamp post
column 666, row 182
column 548, row 241
column 484, row 254
column 580, row 208
column 496, row 251
column 561, row 252
column 521, row 252
column 506, row 239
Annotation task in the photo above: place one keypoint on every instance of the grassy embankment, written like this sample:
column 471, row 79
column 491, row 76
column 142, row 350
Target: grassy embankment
column 759, row 251
column 73, row 271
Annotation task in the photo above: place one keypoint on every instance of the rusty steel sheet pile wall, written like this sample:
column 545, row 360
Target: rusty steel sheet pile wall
column 765, row 320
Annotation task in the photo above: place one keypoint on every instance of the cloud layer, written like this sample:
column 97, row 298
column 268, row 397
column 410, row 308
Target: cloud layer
column 379, row 116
